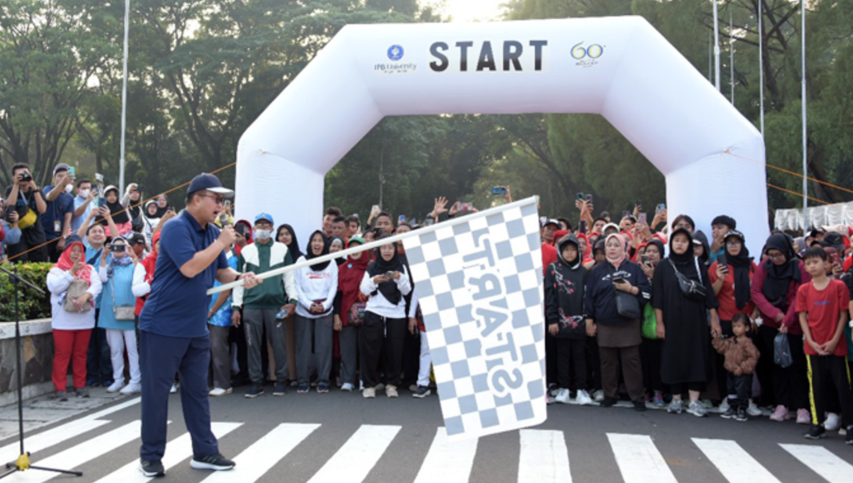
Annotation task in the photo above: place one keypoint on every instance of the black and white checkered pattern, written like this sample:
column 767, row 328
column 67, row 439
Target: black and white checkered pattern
column 480, row 289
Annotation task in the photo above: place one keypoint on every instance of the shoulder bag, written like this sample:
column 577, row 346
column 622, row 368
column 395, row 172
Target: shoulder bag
column 76, row 290
column 627, row 304
column 121, row 312
column 691, row 289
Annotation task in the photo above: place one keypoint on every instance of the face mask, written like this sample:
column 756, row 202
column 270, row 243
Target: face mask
column 69, row 188
column 263, row 234
column 84, row 193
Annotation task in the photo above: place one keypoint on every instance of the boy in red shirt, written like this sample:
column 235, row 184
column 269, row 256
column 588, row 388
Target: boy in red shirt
column 822, row 306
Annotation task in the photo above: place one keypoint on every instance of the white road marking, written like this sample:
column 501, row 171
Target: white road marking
column 357, row 456
column 639, row 460
column 448, row 461
column 736, row 465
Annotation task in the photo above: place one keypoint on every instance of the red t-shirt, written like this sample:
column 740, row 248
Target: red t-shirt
column 728, row 305
column 824, row 307
column 549, row 256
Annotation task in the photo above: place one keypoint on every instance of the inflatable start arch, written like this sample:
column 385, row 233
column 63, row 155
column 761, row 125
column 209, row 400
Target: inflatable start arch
column 621, row 68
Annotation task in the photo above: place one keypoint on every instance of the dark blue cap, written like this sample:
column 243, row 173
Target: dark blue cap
column 209, row 182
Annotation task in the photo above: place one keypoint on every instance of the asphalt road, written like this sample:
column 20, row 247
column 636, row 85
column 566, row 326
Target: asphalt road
column 340, row 437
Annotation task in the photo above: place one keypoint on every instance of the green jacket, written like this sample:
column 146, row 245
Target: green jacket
column 274, row 292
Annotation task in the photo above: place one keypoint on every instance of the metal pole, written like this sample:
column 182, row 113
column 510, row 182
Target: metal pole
column 805, row 120
column 710, row 57
column 732, row 54
column 124, row 99
column 716, row 47
column 761, row 60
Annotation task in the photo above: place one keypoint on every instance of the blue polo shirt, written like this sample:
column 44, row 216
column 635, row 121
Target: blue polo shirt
column 177, row 306
column 56, row 211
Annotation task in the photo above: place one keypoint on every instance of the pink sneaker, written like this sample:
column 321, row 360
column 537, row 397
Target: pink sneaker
column 780, row 414
column 803, row 416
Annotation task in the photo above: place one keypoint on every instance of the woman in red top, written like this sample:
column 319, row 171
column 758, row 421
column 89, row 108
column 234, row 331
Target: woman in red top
column 731, row 277
column 774, row 292
column 350, row 274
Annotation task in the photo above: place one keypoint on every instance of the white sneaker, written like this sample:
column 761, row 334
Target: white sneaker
column 174, row 388
column 724, row 406
column 132, row 388
column 598, row 396
column 369, row 393
column 582, row 398
column 832, row 422
column 391, row 390
column 562, row 396
column 347, row 387
column 219, row 392
column 753, row 410
column 116, row 387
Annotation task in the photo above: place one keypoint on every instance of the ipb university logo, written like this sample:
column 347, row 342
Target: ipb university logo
column 587, row 56
column 395, row 54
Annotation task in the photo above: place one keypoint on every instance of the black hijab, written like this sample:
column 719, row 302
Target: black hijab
column 562, row 244
column 659, row 244
column 742, row 265
column 309, row 254
column 117, row 211
column 145, row 210
column 779, row 277
column 293, row 248
column 162, row 211
column 380, row 266
column 685, row 263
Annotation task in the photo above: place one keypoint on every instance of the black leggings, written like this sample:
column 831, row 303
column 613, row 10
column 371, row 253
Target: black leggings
column 571, row 352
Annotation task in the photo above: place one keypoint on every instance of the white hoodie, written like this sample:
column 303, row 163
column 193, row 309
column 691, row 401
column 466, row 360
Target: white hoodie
column 378, row 304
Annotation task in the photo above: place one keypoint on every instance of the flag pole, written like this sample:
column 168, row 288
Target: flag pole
column 761, row 61
column 805, row 119
column 732, row 54
column 124, row 98
column 378, row 243
column 716, row 47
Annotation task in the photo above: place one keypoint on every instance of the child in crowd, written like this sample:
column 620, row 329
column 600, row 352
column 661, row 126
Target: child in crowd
column 822, row 307
column 741, row 359
column 565, row 282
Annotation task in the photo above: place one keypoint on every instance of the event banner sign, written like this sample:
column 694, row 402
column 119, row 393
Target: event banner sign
column 479, row 284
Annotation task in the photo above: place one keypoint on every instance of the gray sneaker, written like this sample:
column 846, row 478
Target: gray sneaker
column 82, row 391
column 697, row 409
column 675, row 406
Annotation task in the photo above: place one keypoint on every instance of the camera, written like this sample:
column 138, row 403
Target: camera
column 25, row 177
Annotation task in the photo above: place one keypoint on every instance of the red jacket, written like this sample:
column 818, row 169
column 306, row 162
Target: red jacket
column 768, row 311
column 549, row 256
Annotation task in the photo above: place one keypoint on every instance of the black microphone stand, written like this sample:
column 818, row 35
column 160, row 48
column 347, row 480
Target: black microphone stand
column 23, row 461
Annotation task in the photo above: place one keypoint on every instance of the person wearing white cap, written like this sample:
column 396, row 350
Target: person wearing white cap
column 173, row 330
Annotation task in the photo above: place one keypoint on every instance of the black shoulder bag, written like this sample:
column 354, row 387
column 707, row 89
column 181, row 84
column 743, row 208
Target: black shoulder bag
column 691, row 289
column 627, row 304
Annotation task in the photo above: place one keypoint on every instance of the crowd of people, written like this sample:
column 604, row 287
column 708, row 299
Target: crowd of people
column 645, row 312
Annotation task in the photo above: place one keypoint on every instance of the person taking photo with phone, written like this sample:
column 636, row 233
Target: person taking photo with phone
column 56, row 220
column 25, row 198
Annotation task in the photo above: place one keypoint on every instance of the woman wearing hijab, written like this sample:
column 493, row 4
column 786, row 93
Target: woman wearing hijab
column 150, row 220
column 316, row 287
column 682, row 323
column 72, row 320
column 118, row 212
column 618, row 336
column 286, row 235
column 386, row 282
column 347, row 320
column 701, row 248
column 651, row 350
column 336, row 245
column 731, row 277
column 116, row 272
column 774, row 291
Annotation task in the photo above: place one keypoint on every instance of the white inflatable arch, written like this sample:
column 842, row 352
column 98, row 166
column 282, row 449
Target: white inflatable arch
column 621, row 68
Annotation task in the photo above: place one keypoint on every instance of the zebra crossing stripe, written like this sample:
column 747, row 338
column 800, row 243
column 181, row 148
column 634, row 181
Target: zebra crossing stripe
column 77, row 455
column 177, row 450
column 260, row 457
column 544, row 457
column 357, row 456
column 733, row 462
column 448, row 461
column 52, row 437
column 639, row 460
column 820, row 460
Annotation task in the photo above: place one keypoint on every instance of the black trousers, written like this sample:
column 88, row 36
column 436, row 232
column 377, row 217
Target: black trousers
column 651, row 356
column 593, row 365
column 742, row 386
column 551, row 372
column 571, row 352
column 378, row 335
column 718, row 361
column 826, row 372
column 790, row 385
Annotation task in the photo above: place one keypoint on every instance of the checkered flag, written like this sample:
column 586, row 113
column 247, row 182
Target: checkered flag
column 479, row 284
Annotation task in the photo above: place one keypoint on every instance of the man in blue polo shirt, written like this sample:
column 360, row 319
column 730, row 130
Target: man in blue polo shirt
column 173, row 325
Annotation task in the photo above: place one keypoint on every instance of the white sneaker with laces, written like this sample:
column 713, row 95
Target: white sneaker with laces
column 347, row 387
column 598, row 395
column 369, row 393
column 582, row 398
column 724, row 406
column 562, row 396
column 131, row 388
column 391, row 390
column 832, row 423
column 116, row 386
column 753, row 410
column 219, row 392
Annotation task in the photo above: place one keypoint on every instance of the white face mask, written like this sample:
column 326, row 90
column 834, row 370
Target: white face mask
column 263, row 234
column 69, row 188
column 84, row 193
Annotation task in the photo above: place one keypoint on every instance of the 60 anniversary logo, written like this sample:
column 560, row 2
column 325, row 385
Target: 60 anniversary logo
column 586, row 56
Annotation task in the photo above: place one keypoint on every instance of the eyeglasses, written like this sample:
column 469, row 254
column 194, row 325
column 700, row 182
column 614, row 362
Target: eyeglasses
column 733, row 244
column 776, row 256
column 219, row 200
